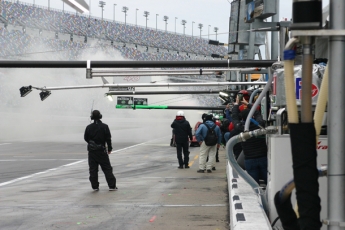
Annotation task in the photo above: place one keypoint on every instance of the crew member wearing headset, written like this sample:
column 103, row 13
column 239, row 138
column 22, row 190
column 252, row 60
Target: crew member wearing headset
column 97, row 135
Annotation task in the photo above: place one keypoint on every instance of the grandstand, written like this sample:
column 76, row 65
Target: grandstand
column 28, row 30
column 43, row 20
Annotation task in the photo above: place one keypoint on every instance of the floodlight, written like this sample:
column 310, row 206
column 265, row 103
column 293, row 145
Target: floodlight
column 223, row 94
column 225, row 97
column 79, row 5
column 44, row 95
column 110, row 98
column 25, row 90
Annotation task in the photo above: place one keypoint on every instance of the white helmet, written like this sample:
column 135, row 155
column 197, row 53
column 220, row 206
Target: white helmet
column 180, row 114
column 216, row 117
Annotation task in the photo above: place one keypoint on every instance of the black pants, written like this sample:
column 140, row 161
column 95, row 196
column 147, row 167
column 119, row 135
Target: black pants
column 102, row 159
column 179, row 147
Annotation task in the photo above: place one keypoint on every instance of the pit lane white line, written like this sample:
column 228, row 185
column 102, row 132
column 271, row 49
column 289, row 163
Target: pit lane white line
column 40, row 160
column 74, row 163
column 5, row 143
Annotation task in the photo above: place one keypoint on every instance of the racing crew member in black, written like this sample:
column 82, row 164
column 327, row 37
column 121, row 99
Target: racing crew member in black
column 182, row 131
column 97, row 135
column 255, row 148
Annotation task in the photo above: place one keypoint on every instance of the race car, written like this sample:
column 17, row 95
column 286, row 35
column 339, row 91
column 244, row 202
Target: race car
column 194, row 142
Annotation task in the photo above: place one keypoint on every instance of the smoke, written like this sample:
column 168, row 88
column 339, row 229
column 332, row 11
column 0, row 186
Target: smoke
column 63, row 116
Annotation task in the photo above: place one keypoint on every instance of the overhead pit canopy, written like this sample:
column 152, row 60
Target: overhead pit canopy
column 79, row 5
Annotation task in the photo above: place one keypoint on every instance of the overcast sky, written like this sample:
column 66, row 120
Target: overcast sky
column 208, row 12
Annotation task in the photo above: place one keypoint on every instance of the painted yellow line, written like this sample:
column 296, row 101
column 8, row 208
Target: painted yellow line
column 196, row 157
column 190, row 163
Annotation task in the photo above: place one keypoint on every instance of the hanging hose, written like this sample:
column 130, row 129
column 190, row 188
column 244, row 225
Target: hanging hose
column 229, row 149
column 289, row 57
column 258, row 101
column 303, row 146
column 282, row 201
column 321, row 104
column 253, row 95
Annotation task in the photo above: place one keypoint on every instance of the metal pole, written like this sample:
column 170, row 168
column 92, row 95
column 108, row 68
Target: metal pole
column 136, row 21
column 251, row 47
column 208, row 37
column 336, row 133
column 48, row 4
column 136, row 64
column 148, row 85
column 243, row 70
column 156, row 21
column 192, row 28
column 114, row 13
column 166, row 92
column 169, row 107
column 175, row 24
column 274, row 35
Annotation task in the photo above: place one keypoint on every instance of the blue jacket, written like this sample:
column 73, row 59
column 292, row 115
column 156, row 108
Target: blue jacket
column 227, row 114
column 201, row 132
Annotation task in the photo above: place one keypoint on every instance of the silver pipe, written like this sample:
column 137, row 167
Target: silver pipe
column 336, row 133
column 149, row 85
column 262, row 94
column 229, row 151
column 274, row 35
column 149, row 74
column 307, row 80
column 165, row 92
column 169, row 70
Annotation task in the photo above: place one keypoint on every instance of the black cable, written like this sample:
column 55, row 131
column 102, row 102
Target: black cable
column 275, row 221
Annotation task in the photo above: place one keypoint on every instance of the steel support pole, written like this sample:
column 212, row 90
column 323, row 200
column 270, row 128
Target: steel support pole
column 274, row 35
column 136, row 64
column 166, row 92
column 251, row 47
column 336, row 132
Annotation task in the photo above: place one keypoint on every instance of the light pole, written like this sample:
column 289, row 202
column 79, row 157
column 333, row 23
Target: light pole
column 125, row 9
column 102, row 4
column 146, row 14
column 156, row 21
column 183, row 22
column 48, row 4
column 165, row 18
column 208, row 37
column 192, row 27
column 175, row 24
column 114, row 12
column 136, row 22
column 200, row 27
column 216, row 30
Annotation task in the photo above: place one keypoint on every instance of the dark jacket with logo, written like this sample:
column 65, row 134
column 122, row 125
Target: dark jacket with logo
column 254, row 147
column 182, row 130
column 99, row 133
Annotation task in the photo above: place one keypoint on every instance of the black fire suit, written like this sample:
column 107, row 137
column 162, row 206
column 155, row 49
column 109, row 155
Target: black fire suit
column 100, row 134
column 182, row 131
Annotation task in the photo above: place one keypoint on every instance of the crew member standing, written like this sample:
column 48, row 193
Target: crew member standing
column 182, row 131
column 208, row 143
column 97, row 135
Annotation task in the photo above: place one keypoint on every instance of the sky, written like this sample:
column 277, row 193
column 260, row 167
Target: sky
column 210, row 13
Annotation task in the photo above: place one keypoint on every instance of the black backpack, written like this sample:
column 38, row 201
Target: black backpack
column 211, row 138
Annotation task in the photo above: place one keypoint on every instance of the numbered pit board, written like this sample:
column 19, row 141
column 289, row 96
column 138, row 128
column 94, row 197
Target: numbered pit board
column 140, row 101
column 125, row 101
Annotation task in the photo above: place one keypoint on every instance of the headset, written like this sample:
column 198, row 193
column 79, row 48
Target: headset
column 96, row 115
